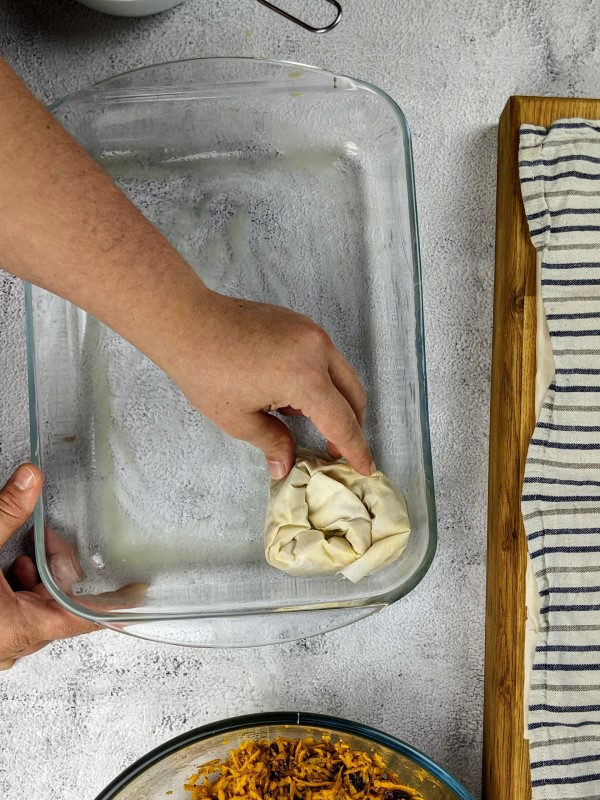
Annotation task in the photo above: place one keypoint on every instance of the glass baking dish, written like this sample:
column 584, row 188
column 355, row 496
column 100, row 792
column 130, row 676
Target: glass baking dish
column 277, row 182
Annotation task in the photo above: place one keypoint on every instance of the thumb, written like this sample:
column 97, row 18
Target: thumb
column 18, row 499
column 271, row 436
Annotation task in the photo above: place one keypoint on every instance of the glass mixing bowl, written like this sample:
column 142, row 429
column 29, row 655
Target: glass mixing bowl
column 164, row 771
column 280, row 183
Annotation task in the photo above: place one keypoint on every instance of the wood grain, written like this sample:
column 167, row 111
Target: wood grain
column 505, row 753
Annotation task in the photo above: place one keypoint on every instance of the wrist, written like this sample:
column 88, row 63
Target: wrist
column 181, row 331
column 186, row 329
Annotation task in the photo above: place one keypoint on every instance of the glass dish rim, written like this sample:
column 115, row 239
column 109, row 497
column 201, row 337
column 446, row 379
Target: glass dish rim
column 291, row 718
column 377, row 601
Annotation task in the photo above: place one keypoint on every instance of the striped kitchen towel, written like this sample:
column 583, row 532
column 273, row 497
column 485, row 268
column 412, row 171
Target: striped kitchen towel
column 560, row 182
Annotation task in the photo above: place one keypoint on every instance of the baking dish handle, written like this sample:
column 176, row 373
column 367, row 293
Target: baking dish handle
column 303, row 24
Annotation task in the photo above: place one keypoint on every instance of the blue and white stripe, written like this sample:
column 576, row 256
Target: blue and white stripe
column 560, row 181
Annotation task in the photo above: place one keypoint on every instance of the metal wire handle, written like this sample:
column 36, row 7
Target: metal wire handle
column 303, row 24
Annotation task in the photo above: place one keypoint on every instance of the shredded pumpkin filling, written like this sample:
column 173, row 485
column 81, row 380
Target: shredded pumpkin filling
column 298, row 769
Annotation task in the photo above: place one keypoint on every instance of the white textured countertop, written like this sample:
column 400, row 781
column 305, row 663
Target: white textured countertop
column 73, row 715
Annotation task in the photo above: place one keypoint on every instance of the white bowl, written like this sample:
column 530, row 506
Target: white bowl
column 130, row 8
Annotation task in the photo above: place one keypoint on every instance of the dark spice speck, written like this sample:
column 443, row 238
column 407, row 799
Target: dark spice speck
column 356, row 781
column 278, row 770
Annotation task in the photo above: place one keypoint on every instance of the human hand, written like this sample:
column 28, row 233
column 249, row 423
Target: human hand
column 29, row 617
column 68, row 228
column 240, row 360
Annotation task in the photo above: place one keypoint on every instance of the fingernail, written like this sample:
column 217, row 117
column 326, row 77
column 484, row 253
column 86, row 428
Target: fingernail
column 24, row 479
column 277, row 470
column 373, row 468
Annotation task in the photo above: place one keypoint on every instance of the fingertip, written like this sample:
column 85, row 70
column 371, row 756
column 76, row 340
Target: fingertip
column 335, row 419
column 281, row 463
column 18, row 498
column 65, row 569
column 276, row 441
column 362, row 463
column 272, row 436
column 361, row 470
column 27, row 477
column 277, row 469
column 63, row 560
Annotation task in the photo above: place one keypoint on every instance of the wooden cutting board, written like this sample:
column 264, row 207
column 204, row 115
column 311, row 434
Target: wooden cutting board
column 505, row 752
